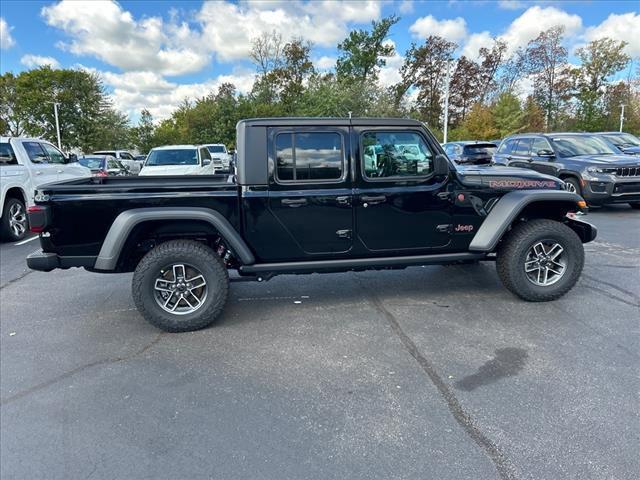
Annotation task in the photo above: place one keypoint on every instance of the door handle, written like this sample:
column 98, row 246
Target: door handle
column 343, row 201
column 38, row 172
column 294, row 202
column 373, row 200
column 59, row 171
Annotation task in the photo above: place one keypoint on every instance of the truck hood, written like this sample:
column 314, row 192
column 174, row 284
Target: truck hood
column 631, row 150
column 506, row 178
column 606, row 160
column 173, row 170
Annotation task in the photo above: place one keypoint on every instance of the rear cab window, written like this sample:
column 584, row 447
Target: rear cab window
column 7, row 155
column 309, row 157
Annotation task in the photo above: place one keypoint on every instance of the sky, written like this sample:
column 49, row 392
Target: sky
column 154, row 54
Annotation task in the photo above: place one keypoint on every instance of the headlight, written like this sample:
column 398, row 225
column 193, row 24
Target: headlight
column 595, row 170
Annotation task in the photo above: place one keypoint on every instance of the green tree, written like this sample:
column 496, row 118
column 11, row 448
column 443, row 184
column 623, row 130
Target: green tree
column 144, row 132
column 507, row 114
column 479, row 124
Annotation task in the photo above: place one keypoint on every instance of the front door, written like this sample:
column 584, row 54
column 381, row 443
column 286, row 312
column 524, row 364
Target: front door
column 542, row 163
column 42, row 170
column 400, row 206
column 310, row 189
column 520, row 154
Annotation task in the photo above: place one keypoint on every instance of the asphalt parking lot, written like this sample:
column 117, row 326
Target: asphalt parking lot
column 429, row 373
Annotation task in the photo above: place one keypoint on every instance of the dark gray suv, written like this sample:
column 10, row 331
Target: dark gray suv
column 589, row 165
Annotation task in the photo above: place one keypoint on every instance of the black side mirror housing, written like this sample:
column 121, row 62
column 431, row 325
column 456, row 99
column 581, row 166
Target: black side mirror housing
column 72, row 157
column 546, row 153
column 441, row 165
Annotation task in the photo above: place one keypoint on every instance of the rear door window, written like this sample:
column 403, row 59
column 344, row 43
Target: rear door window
column 7, row 157
column 309, row 156
column 35, row 152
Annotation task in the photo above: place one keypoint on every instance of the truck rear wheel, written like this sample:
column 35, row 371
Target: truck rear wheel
column 180, row 286
column 540, row 260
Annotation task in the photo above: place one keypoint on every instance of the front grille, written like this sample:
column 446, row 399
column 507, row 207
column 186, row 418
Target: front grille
column 627, row 172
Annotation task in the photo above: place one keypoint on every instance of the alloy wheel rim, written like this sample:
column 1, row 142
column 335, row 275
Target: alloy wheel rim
column 17, row 219
column 545, row 263
column 180, row 289
column 571, row 188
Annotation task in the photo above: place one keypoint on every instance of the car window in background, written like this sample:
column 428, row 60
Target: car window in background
column 522, row 147
column 507, row 146
column 7, row 157
column 182, row 156
column 93, row 163
column 104, row 152
column 396, row 154
column 126, row 156
column 623, row 140
column 55, row 155
column 35, row 152
column 568, row 146
column 215, row 148
column 309, row 156
column 539, row 143
column 113, row 164
column 480, row 148
column 204, row 154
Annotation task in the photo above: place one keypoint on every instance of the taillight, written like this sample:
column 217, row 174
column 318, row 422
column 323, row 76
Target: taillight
column 101, row 173
column 37, row 218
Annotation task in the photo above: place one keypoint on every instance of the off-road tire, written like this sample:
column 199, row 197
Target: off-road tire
column 512, row 254
column 5, row 228
column 635, row 206
column 181, row 251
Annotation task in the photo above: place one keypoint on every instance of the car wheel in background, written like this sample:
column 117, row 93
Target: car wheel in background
column 14, row 225
column 180, row 286
column 573, row 185
column 540, row 260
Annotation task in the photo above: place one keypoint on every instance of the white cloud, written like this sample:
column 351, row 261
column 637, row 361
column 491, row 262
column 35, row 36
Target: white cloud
column 406, row 7
column 536, row 19
column 133, row 91
column 390, row 73
column 325, row 63
column 228, row 28
column 511, row 4
column 106, row 31
column 475, row 42
column 624, row 27
column 35, row 61
column 454, row 30
column 6, row 40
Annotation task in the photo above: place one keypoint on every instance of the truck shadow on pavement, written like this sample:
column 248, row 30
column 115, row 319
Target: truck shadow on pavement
column 506, row 363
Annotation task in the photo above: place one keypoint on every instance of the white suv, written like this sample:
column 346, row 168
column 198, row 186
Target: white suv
column 219, row 156
column 26, row 163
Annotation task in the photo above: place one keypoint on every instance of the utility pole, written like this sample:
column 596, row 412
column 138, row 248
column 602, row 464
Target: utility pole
column 622, row 105
column 55, row 111
column 446, row 103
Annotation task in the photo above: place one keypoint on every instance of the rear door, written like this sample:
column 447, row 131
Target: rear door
column 400, row 206
column 310, row 188
column 42, row 170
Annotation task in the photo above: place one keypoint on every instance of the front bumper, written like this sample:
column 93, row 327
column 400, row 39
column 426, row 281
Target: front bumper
column 599, row 192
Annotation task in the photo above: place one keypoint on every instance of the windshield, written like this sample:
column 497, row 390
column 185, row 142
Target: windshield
column 568, row 146
column 623, row 140
column 94, row 163
column 215, row 148
column 182, row 156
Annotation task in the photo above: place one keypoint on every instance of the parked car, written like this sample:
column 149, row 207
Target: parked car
column 589, row 165
column 125, row 157
column 470, row 152
column 26, row 163
column 220, row 156
column 141, row 159
column 103, row 165
column 178, row 160
column 625, row 142
column 303, row 203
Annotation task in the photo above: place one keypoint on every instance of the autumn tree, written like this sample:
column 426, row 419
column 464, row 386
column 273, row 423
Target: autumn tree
column 464, row 89
column 533, row 119
column 479, row 124
column 491, row 61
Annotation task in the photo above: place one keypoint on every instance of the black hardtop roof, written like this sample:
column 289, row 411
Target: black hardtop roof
column 329, row 121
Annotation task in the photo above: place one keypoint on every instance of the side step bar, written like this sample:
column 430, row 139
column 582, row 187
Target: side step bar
column 358, row 263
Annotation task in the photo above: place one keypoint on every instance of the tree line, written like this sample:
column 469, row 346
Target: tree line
column 485, row 94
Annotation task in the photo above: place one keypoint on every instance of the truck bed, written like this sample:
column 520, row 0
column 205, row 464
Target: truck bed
column 84, row 210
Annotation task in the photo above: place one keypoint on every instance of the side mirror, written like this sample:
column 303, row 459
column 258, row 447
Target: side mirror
column 206, row 161
column 72, row 157
column 546, row 153
column 441, row 165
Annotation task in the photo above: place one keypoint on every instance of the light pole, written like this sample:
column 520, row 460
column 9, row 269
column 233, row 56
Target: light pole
column 622, row 105
column 446, row 104
column 55, row 111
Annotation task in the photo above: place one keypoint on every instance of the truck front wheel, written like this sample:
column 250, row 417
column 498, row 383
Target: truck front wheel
column 180, row 286
column 540, row 260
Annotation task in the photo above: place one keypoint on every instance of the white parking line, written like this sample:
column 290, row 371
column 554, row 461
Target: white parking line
column 26, row 241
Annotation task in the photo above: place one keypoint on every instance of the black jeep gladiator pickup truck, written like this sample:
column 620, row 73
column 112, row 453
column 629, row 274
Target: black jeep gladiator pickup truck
column 311, row 196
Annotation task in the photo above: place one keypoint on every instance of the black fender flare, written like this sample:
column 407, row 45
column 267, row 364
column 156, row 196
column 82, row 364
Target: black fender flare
column 125, row 222
column 507, row 209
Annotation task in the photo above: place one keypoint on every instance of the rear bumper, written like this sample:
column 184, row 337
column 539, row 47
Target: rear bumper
column 45, row 262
